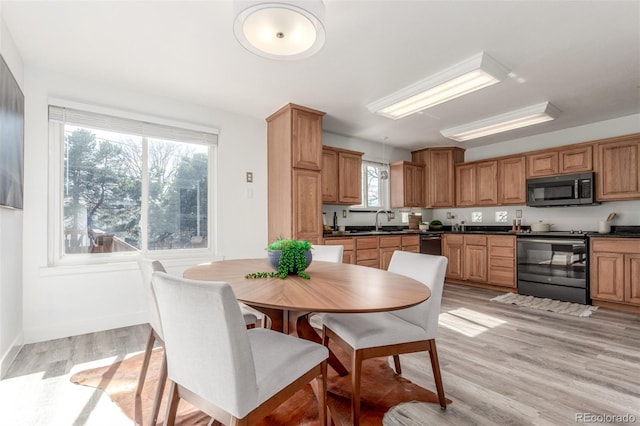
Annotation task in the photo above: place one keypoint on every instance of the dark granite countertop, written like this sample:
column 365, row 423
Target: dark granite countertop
column 362, row 231
column 619, row 232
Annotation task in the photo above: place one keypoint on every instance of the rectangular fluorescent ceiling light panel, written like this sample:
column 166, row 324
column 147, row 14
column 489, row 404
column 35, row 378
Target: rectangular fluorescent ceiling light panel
column 528, row 116
column 470, row 75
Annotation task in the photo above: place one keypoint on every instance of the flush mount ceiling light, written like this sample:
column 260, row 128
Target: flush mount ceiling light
column 280, row 29
column 465, row 77
column 528, row 116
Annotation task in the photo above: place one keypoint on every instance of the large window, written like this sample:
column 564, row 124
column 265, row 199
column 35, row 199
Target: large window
column 128, row 186
column 375, row 185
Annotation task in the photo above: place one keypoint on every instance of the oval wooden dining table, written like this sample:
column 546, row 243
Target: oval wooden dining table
column 332, row 287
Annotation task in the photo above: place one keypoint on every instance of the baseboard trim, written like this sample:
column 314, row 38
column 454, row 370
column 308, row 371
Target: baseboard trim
column 11, row 354
column 84, row 326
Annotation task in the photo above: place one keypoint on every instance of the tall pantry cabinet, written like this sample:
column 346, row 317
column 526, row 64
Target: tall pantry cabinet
column 294, row 160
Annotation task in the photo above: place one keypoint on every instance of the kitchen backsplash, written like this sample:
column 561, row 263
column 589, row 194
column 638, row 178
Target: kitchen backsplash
column 583, row 218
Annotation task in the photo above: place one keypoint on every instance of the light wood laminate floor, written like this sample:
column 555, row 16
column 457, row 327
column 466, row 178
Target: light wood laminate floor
column 501, row 364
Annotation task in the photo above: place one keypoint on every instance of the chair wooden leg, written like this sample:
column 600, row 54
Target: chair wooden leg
column 356, row 369
column 396, row 362
column 322, row 395
column 162, row 379
column 435, row 366
column 172, row 405
column 145, row 362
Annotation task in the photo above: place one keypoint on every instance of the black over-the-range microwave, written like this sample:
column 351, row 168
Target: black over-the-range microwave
column 566, row 190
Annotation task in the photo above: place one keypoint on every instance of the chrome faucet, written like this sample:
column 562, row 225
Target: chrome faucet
column 386, row 212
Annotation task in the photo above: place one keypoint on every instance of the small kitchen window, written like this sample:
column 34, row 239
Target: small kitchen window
column 375, row 186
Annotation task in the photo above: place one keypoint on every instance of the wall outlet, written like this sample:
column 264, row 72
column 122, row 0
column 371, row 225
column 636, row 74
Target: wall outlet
column 449, row 215
column 344, row 214
column 249, row 177
column 518, row 214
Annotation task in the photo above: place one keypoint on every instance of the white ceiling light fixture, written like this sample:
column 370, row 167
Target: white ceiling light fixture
column 285, row 30
column 479, row 71
column 523, row 117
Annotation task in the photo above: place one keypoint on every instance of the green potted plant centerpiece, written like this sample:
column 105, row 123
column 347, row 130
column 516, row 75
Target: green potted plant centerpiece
column 287, row 256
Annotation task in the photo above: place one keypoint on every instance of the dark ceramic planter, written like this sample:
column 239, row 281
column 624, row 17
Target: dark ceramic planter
column 274, row 259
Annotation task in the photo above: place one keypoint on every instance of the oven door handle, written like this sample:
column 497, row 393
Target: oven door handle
column 549, row 241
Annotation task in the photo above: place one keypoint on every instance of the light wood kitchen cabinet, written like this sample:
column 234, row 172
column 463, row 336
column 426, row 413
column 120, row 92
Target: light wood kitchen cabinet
column 341, row 176
column 367, row 251
column 542, row 164
column 329, row 174
column 465, row 185
column 453, row 250
column 411, row 243
column 475, row 258
column 575, row 160
column 512, row 181
column 564, row 160
column 306, row 137
column 502, row 260
column 485, row 260
column 406, row 181
column 348, row 253
column 387, row 246
column 615, row 270
column 307, row 206
column 439, row 179
column 477, row 184
column 618, row 168
column 294, row 153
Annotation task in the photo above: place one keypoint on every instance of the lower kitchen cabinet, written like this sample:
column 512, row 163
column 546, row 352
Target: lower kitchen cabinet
column 387, row 246
column 615, row 270
column 348, row 255
column 375, row 252
column 502, row 260
column 486, row 260
column 411, row 243
column 367, row 251
column 475, row 258
column 453, row 250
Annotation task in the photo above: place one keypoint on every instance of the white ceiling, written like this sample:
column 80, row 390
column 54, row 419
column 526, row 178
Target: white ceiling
column 582, row 56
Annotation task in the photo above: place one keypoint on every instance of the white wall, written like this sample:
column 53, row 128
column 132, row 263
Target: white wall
column 563, row 218
column 11, row 337
column 69, row 300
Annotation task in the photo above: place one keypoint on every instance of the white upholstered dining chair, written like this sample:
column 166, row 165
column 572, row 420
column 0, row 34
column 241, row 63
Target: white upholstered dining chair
column 327, row 253
column 148, row 267
column 240, row 375
column 407, row 330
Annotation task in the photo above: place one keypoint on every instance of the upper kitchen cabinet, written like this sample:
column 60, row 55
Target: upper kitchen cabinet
column 618, row 168
column 477, row 184
column 341, row 176
column 294, row 158
column 439, row 181
column 298, row 131
column 542, row 164
column 575, row 160
column 406, row 182
column 550, row 162
column 512, row 181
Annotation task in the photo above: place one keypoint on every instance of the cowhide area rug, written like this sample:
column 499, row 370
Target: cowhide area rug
column 381, row 390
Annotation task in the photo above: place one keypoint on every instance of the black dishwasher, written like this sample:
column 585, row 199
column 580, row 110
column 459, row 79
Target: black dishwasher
column 430, row 244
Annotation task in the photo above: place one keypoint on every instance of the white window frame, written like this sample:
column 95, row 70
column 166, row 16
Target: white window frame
column 384, row 190
column 56, row 252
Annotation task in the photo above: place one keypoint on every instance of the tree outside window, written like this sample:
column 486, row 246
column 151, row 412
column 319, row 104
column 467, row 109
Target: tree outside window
column 115, row 183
